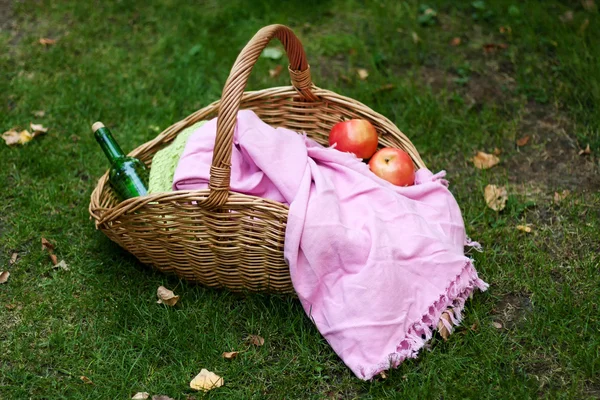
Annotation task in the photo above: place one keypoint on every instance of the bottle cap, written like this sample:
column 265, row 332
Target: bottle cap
column 97, row 125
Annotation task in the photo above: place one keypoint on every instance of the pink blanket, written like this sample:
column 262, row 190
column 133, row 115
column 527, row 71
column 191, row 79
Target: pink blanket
column 374, row 265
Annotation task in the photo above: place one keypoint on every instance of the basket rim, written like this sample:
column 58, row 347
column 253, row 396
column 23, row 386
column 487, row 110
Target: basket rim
column 102, row 215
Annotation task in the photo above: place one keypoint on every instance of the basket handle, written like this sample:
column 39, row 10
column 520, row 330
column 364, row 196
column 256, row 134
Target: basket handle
column 220, row 170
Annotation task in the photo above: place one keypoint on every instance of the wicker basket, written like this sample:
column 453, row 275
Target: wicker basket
column 217, row 237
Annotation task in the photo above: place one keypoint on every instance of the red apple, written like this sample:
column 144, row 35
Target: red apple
column 356, row 136
column 393, row 165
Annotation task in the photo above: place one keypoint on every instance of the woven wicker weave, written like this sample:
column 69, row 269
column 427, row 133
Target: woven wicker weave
column 217, row 237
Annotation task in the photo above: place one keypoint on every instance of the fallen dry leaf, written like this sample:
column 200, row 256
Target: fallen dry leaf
column 86, row 380
column 230, row 354
column 206, row 380
column 10, row 306
column 455, row 41
column 567, row 16
column 274, row 73
column 474, row 326
column 415, row 37
column 13, row 137
column 588, row 5
column 161, row 397
column 524, row 228
column 47, row 42
column 4, row 276
column 586, row 151
column 444, row 332
column 140, row 396
column 497, row 151
column 497, row 325
column 505, row 29
column 558, row 197
column 46, row 245
column 37, row 129
column 387, row 86
column 492, row 47
column 362, row 73
column 523, row 141
column 484, row 160
column 256, row 340
column 54, row 259
column 166, row 296
column 495, row 197
column 62, row 265
column 39, row 113
column 13, row 258
column 383, row 375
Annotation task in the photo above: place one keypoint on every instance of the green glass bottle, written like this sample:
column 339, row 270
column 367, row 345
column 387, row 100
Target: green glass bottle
column 128, row 176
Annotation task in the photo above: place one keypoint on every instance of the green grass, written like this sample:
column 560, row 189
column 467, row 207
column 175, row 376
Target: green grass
column 140, row 65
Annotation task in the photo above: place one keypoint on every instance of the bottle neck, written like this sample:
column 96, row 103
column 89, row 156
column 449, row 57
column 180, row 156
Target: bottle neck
column 108, row 144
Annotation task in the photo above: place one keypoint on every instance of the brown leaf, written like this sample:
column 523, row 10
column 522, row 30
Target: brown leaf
column 523, row 141
column 47, row 42
column 86, row 380
column 13, row 258
column 567, row 16
column 442, row 329
column 161, row 397
column 274, row 73
column 39, row 113
column 497, row 325
column 12, row 137
column 505, row 29
column 586, row 151
column 524, row 228
column 455, row 41
column 140, row 396
column 62, row 265
column 54, row 259
column 362, row 73
column 206, row 380
column 46, row 245
column 37, row 129
column 484, row 160
column 10, row 306
column 166, row 296
column 256, row 340
column 495, row 197
column 497, row 151
column 474, row 326
column 588, row 5
column 230, row 354
column 558, row 197
column 4, row 276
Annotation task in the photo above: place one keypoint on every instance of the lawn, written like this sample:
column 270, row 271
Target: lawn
column 476, row 76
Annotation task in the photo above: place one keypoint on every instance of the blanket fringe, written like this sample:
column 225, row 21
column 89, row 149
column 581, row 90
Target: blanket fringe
column 421, row 331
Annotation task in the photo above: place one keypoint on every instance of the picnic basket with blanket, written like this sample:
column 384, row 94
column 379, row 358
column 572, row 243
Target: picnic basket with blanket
column 260, row 203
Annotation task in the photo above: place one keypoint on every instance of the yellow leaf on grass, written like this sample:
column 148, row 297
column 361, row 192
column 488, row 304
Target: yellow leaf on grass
column 166, row 296
column 206, row 380
column 362, row 73
column 495, row 197
column 524, row 228
column 13, row 137
column 140, row 396
column 484, row 160
column 46, row 41
column 256, row 340
column 37, row 129
column 86, row 380
column 230, row 354
column 4, row 276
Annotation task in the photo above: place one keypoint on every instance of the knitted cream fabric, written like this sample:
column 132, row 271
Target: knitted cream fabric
column 165, row 161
